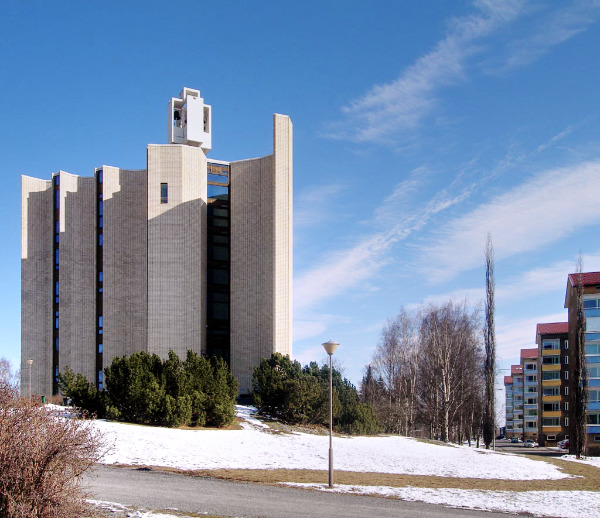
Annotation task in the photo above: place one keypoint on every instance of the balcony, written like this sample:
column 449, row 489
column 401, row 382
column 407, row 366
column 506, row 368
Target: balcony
column 549, row 368
column 551, row 429
column 551, row 383
column 556, row 413
column 551, row 352
column 550, row 399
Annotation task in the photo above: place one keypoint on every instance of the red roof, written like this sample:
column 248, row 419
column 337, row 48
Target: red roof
column 507, row 380
column 589, row 278
column 553, row 328
column 516, row 369
column 529, row 353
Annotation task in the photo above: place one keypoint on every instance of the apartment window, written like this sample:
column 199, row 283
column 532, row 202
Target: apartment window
column 531, row 401
column 566, row 406
column 551, row 437
column 566, row 421
column 551, row 375
column 550, row 421
column 566, row 375
column 100, row 208
column 531, row 424
column 593, row 418
column 531, row 413
column 100, row 239
column 552, row 407
column 566, row 391
column 100, row 348
column 592, row 348
column 100, row 379
column 99, row 221
column 531, row 379
column 594, row 371
column 597, row 438
column 551, row 391
column 566, row 344
column 100, row 276
column 100, row 176
column 164, row 193
column 594, row 395
column 550, row 344
column 551, row 360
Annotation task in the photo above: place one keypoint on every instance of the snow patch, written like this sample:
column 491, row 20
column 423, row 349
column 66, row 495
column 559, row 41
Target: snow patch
column 566, row 504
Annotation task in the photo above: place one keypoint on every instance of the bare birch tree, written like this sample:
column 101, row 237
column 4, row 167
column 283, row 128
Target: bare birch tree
column 489, row 415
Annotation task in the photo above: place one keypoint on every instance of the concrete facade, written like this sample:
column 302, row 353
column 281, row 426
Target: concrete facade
column 176, row 249
column 37, row 316
column 77, row 277
column 121, row 265
column 125, row 262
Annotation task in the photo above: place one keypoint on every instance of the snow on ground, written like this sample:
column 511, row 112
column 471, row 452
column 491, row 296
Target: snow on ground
column 566, row 504
column 122, row 510
column 256, row 447
column 592, row 461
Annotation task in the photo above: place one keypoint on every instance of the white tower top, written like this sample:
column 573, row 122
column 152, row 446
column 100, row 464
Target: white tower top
column 190, row 120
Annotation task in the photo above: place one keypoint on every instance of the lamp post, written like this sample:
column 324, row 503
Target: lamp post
column 330, row 348
column 29, row 364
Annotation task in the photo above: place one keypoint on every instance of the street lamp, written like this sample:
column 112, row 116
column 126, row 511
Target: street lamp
column 330, row 348
column 29, row 364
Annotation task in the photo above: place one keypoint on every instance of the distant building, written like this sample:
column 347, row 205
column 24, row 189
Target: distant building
column 190, row 253
column 529, row 364
column 590, row 282
column 553, row 350
column 514, row 402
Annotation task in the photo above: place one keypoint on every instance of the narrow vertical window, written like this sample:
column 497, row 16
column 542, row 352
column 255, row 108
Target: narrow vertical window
column 566, row 405
column 566, row 359
column 566, row 421
column 566, row 391
column 100, row 239
column 164, row 192
column 566, row 375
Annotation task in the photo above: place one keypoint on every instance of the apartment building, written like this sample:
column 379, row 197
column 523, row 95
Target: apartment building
column 529, row 364
column 553, row 349
column 590, row 284
column 190, row 253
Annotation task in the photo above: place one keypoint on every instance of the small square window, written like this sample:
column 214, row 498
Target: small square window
column 164, row 192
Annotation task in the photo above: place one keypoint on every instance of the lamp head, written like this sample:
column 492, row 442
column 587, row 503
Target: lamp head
column 330, row 347
column 29, row 362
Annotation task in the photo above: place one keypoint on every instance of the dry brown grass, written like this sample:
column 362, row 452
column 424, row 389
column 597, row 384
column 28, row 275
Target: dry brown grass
column 587, row 478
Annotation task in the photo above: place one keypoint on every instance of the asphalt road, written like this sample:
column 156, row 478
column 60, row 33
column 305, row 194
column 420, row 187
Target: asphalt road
column 508, row 447
column 159, row 491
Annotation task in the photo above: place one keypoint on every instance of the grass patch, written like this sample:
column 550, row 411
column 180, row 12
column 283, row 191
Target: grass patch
column 585, row 478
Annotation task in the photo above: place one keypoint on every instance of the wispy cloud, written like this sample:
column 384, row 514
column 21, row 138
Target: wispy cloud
column 556, row 138
column 550, row 27
column 405, row 102
column 540, row 211
column 472, row 44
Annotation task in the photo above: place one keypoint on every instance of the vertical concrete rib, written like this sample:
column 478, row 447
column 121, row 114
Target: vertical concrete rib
column 261, row 255
column 77, row 267
column 125, row 268
column 176, row 249
column 36, row 284
column 283, row 158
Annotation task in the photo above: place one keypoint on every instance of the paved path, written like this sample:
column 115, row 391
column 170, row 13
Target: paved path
column 161, row 491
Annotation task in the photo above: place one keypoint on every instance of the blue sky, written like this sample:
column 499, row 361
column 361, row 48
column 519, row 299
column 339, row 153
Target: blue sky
column 419, row 127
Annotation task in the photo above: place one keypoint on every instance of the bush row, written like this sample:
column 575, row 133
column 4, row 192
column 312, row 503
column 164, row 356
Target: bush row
column 285, row 390
column 142, row 388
